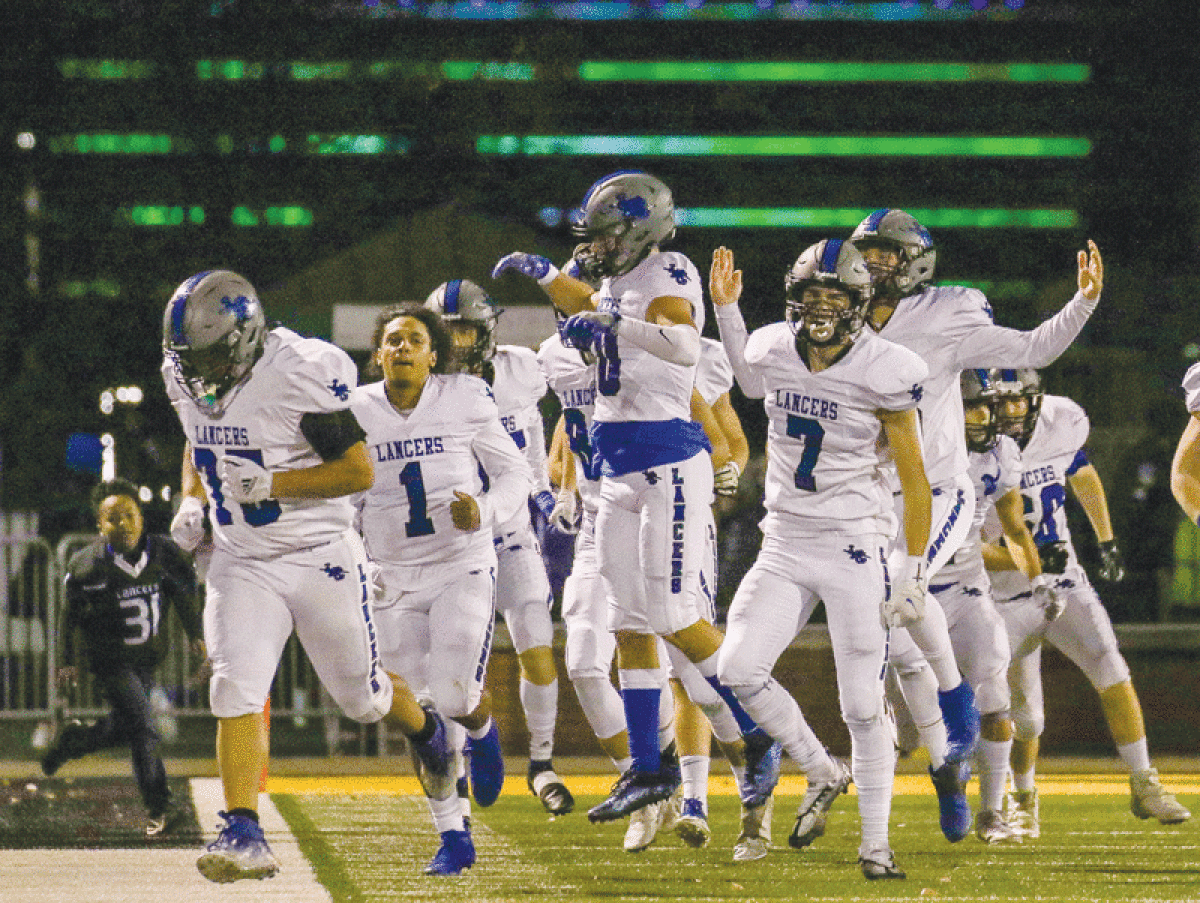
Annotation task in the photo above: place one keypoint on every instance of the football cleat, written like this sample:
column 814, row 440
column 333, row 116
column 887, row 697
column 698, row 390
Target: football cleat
column 164, row 822
column 671, row 810
column 962, row 723
column 487, row 766
column 634, row 790
column 644, row 825
column 240, row 851
column 1021, row 812
column 456, row 853
column 992, row 827
column 433, row 761
column 549, row 788
column 879, row 863
column 763, row 759
column 953, row 809
column 692, row 824
column 1149, row 799
column 59, row 752
column 814, row 808
column 755, row 837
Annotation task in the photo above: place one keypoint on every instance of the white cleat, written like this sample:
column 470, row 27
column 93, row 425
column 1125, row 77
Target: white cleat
column 992, row 827
column 755, row 839
column 1021, row 813
column 643, row 826
column 1149, row 799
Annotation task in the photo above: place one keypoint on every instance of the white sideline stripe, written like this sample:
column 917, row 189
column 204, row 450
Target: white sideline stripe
column 158, row 875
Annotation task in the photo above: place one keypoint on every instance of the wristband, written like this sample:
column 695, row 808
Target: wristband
column 551, row 275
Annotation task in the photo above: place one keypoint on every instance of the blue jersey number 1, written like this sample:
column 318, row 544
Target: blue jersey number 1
column 419, row 523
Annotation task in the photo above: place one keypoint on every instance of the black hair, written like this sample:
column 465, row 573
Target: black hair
column 439, row 335
column 109, row 488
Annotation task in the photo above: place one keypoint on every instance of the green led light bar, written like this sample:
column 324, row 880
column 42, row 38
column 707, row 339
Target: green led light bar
column 165, row 215
column 110, row 144
column 488, row 71
column 358, row 144
column 229, row 70
column 667, row 71
column 849, row 217
column 783, row 145
column 104, row 70
column 272, row 216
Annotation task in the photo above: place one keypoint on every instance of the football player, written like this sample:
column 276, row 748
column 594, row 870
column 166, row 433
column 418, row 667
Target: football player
column 964, row 592
column 951, row 328
column 657, row 477
column 118, row 590
column 523, row 594
column 1051, row 431
column 274, row 452
column 429, row 432
column 835, row 395
column 1185, row 467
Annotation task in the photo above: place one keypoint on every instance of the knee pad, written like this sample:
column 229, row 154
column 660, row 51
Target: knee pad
column 377, row 706
column 529, row 624
column 1107, row 670
column 1028, row 725
column 227, row 699
column 589, row 652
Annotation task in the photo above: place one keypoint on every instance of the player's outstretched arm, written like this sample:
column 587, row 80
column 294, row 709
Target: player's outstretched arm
column 1085, row 483
column 1185, row 470
column 567, row 293
column 345, row 475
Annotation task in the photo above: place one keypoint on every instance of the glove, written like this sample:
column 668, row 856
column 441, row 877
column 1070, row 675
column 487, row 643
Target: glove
column 566, row 515
column 530, row 265
column 544, row 501
column 1054, row 557
column 1047, row 597
column 1112, row 566
column 244, row 481
column 725, row 480
column 906, row 604
column 187, row 526
column 587, row 331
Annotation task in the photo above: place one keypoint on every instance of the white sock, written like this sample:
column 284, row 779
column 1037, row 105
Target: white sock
column 623, row 765
column 873, row 762
column 601, row 704
column 1135, row 755
column 541, row 711
column 481, row 732
column 447, row 814
column 993, row 759
column 695, row 778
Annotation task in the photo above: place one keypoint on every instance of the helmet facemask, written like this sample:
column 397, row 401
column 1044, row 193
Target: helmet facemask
column 828, row 290
column 1026, row 385
column 980, row 409
column 464, row 304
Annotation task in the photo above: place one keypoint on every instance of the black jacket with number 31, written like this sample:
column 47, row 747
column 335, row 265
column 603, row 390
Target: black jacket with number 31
column 120, row 606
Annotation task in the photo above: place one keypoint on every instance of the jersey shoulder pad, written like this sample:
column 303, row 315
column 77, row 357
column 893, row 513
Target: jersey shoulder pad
column 320, row 376
column 768, row 340
column 892, row 371
column 83, row 564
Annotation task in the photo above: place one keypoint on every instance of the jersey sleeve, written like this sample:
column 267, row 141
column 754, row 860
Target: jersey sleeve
column 981, row 343
column 180, row 588
column 1191, row 388
column 736, row 340
column 674, row 276
column 714, row 375
column 1074, row 425
column 897, row 379
column 510, row 477
column 322, row 377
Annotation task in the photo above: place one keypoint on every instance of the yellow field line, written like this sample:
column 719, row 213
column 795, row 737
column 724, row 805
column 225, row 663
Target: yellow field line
column 789, row 785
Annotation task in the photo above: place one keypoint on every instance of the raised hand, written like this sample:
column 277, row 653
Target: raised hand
column 1091, row 272
column 724, row 282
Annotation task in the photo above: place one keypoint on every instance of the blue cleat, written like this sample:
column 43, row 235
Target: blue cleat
column 635, row 790
column 240, row 851
column 763, row 759
column 487, row 766
column 950, row 782
column 433, row 761
column 962, row 722
column 457, row 853
column 692, row 824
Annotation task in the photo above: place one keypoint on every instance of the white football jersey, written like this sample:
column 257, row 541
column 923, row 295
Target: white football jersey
column 994, row 473
column 295, row 376
column 574, row 382
column 422, row 458
column 951, row 328
column 826, row 454
column 714, row 375
column 1191, row 388
column 518, row 387
column 633, row 384
column 1046, row 461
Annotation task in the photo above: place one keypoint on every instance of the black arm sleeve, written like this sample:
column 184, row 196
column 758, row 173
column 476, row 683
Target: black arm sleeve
column 180, row 589
column 332, row 434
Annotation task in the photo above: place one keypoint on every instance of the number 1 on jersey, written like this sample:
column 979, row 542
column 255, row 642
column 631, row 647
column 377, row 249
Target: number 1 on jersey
column 419, row 523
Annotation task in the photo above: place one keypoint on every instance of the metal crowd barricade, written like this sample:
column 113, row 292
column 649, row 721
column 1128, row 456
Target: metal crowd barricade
column 26, row 645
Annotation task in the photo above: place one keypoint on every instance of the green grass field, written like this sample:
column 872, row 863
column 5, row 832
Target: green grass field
column 371, row 846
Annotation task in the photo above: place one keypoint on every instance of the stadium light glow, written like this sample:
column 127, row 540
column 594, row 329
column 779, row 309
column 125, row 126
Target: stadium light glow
column 109, row 143
column 784, row 145
column 849, row 217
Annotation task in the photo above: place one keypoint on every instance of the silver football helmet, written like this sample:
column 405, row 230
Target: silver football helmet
column 1026, row 383
column 462, row 301
column 623, row 216
column 979, row 391
column 917, row 255
column 833, row 263
column 213, row 332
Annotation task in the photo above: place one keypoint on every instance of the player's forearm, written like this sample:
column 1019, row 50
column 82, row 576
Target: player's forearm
column 1090, row 491
column 509, row 476
column 352, row 472
column 734, row 336
column 678, row 343
column 569, row 294
column 999, row 346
